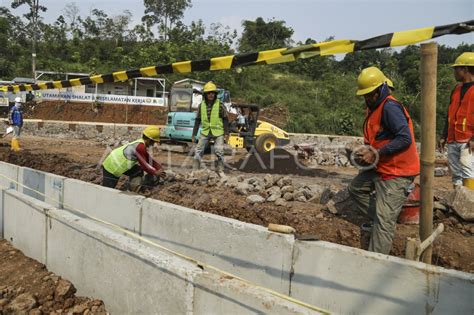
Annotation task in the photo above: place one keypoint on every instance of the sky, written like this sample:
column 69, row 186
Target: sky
column 317, row 19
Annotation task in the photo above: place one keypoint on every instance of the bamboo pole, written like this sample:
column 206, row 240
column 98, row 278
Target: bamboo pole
column 429, row 56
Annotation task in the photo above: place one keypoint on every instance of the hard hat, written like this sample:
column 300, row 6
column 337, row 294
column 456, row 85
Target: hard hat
column 369, row 79
column 18, row 100
column 464, row 60
column 210, row 87
column 389, row 83
column 152, row 132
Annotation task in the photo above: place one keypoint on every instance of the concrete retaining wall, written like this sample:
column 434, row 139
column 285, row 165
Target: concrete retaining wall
column 108, row 204
column 339, row 278
column 107, row 132
column 246, row 250
column 130, row 277
column 352, row 281
column 24, row 223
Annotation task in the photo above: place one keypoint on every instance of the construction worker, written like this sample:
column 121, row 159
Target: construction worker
column 212, row 115
column 392, row 159
column 15, row 119
column 459, row 127
column 132, row 159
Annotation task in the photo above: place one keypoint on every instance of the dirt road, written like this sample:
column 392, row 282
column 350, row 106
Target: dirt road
column 80, row 159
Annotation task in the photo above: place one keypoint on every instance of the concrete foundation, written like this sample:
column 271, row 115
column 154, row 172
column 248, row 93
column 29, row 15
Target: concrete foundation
column 339, row 278
column 246, row 250
column 129, row 276
column 108, row 204
column 352, row 281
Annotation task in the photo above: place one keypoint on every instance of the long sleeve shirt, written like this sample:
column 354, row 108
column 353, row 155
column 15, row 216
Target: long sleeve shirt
column 222, row 114
column 15, row 117
column 394, row 126
column 146, row 162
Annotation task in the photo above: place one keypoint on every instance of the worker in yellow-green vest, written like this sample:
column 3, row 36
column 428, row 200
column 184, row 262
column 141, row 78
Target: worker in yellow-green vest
column 212, row 117
column 132, row 159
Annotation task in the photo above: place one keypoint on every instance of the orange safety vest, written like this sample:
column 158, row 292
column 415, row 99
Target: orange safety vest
column 461, row 115
column 404, row 163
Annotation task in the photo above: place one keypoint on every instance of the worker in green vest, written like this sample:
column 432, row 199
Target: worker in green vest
column 212, row 116
column 132, row 159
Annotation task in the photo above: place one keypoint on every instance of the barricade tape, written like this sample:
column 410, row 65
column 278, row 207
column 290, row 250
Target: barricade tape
column 161, row 247
column 274, row 56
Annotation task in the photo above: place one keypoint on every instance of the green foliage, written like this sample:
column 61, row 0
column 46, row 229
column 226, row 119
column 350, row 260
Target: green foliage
column 319, row 92
column 261, row 35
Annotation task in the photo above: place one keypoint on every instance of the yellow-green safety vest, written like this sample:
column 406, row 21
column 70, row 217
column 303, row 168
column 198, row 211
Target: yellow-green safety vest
column 117, row 163
column 216, row 125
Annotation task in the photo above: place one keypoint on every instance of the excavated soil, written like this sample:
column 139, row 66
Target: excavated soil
column 279, row 161
column 110, row 113
column 27, row 287
column 79, row 159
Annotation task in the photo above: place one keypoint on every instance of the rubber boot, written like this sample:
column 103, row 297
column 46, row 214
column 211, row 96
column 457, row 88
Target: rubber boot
column 196, row 164
column 469, row 183
column 135, row 183
column 15, row 145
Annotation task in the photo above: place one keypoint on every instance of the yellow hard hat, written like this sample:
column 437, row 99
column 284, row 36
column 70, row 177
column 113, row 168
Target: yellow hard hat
column 369, row 79
column 210, row 87
column 389, row 83
column 152, row 132
column 464, row 60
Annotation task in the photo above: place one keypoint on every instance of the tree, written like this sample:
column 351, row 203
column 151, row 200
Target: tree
column 33, row 17
column 261, row 35
column 165, row 13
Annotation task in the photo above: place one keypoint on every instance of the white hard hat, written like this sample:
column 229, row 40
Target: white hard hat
column 18, row 100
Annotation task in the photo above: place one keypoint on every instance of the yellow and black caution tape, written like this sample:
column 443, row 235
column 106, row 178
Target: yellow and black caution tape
column 196, row 262
column 274, row 56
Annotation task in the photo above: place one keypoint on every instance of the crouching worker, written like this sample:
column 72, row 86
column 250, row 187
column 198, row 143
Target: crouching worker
column 132, row 160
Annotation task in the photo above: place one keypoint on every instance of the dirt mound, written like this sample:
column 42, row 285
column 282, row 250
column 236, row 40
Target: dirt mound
column 56, row 164
column 111, row 113
column 278, row 161
column 26, row 287
column 275, row 114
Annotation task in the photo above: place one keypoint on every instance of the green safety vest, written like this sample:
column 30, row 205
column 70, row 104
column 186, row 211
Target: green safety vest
column 117, row 163
column 216, row 126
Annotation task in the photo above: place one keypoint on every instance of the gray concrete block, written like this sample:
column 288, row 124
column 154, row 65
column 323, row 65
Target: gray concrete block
column 129, row 277
column 352, row 281
column 8, row 175
column 25, row 224
column 108, row 204
column 247, row 250
column 219, row 294
column 43, row 186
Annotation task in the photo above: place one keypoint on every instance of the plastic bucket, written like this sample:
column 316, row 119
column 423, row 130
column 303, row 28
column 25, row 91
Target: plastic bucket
column 410, row 213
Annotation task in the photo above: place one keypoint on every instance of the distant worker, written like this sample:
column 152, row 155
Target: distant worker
column 459, row 127
column 132, row 159
column 212, row 115
column 15, row 119
column 390, row 150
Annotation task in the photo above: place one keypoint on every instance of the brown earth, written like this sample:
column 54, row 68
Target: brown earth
column 27, row 287
column 79, row 159
column 119, row 113
column 111, row 113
